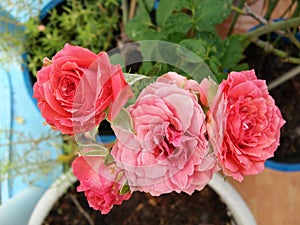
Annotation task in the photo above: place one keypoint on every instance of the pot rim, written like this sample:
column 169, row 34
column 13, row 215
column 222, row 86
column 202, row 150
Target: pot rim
column 230, row 197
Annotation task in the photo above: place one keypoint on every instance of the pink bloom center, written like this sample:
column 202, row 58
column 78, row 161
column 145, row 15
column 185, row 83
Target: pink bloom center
column 67, row 87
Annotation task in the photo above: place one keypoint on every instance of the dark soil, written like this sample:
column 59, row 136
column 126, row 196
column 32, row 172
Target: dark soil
column 287, row 95
column 202, row 208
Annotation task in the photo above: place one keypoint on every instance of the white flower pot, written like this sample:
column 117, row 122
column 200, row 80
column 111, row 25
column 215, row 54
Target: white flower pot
column 236, row 205
column 50, row 197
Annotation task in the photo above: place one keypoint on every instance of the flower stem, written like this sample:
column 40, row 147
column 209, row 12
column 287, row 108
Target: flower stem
column 81, row 210
column 238, row 10
column 124, row 11
column 282, row 54
column 293, row 39
column 133, row 4
column 235, row 18
column 284, row 77
column 271, row 27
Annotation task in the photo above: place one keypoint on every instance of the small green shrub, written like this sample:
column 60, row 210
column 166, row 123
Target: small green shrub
column 87, row 23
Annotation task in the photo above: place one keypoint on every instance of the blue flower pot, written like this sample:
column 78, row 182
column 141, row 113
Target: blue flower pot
column 22, row 137
column 20, row 122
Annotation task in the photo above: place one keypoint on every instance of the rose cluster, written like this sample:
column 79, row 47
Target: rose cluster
column 174, row 137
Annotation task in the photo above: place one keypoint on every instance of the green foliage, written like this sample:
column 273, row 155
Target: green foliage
column 95, row 25
column 125, row 189
column 90, row 24
column 123, row 121
column 190, row 24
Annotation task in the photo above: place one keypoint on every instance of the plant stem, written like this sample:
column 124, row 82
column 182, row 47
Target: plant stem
column 271, row 27
column 132, row 9
column 284, row 77
column 293, row 39
column 235, row 18
column 238, row 10
column 271, row 6
column 282, row 54
column 254, row 15
column 264, row 21
column 81, row 210
column 124, row 11
column 296, row 10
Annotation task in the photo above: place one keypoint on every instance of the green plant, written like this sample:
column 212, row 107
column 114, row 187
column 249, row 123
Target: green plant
column 91, row 24
column 192, row 24
column 286, row 27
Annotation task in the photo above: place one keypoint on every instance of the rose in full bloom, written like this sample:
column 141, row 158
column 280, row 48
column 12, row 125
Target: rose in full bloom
column 167, row 149
column 243, row 124
column 77, row 87
column 101, row 183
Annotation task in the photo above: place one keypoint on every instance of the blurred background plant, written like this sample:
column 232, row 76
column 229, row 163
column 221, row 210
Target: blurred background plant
column 90, row 24
column 87, row 23
column 209, row 28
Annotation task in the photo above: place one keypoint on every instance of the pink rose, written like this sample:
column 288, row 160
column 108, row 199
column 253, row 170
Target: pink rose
column 75, row 89
column 168, row 149
column 243, row 124
column 101, row 183
column 180, row 81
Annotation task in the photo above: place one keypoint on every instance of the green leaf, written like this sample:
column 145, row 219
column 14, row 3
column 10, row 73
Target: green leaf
column 147, row 49
column 109, row 159
column 232, row 52
column 196, row 46
column 148, row 4
column 123, row 121
column 141, row 26
column 93, row 149
column 165, row 10
column 145, row 68
column 211, row 12
column 125, row 189
column 133, row 78
column 214, row 64
column 179, row 22
column 141, row 30
column 193, row 56
column 117, row 59
column 201, row 71
column 241, row 67
column 142, row 12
